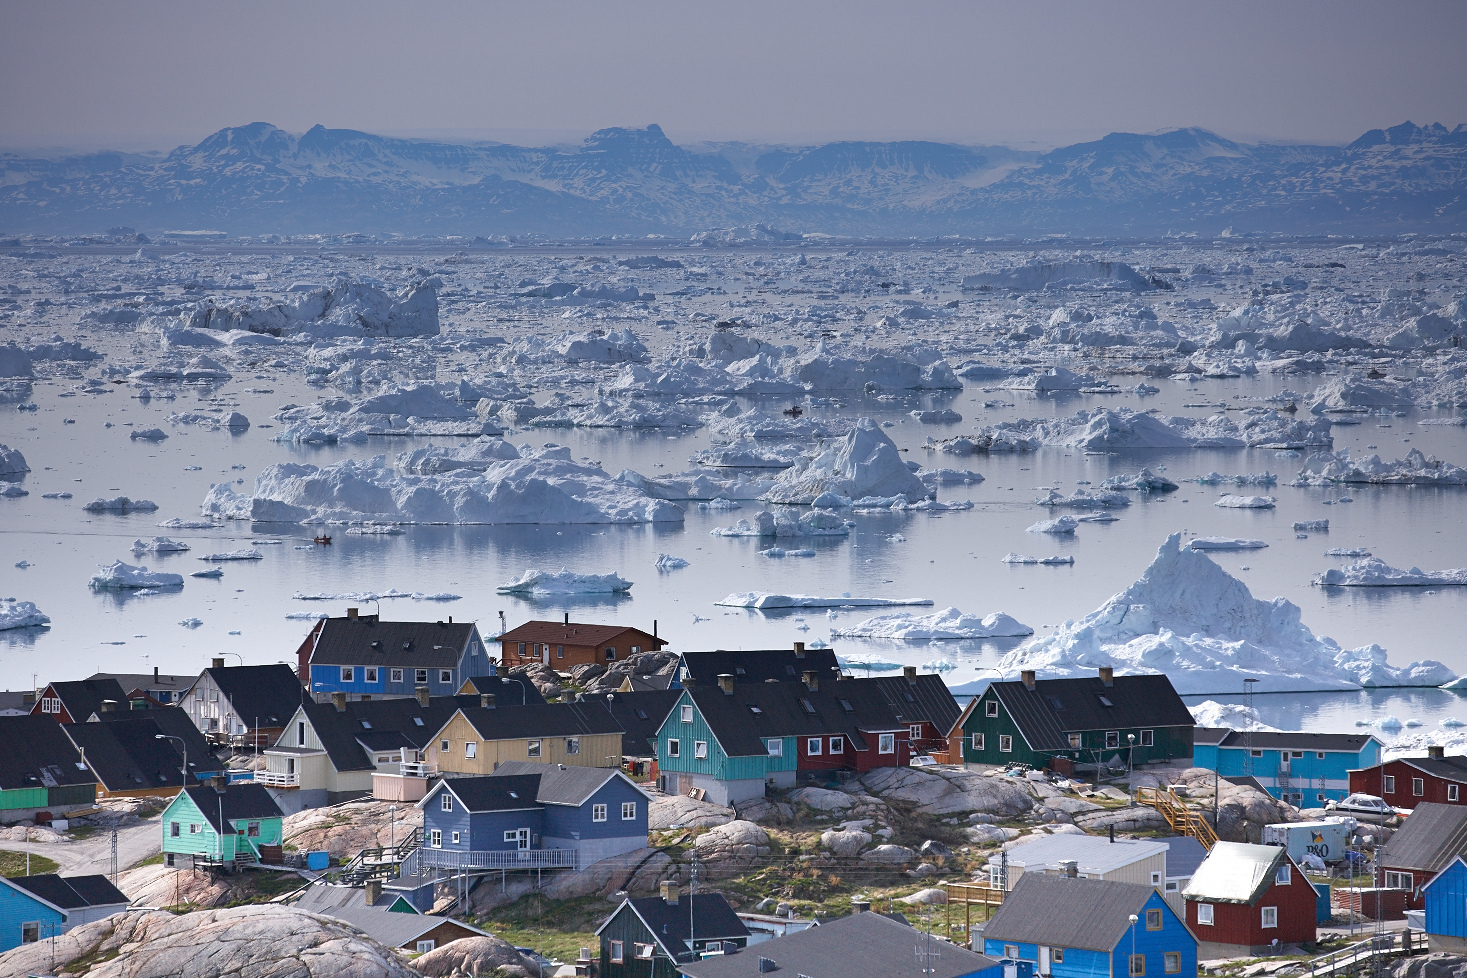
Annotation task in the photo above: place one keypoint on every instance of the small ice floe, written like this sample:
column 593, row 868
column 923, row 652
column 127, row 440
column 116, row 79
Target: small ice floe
column 896, row 538
column 235, row 555
column 817, row 644
column 1100, row 517
column 1374, row 572
column 1312, row 526
column 213, row 573
column 21, row 614
column 1246, row 479
column 1230, row 501
column 781, row 552
column 306, row 616
column 939, row 665
column 718, row 505
column 763, row 600
column 374, row 530
column 181, row 524
column 118, row 576
column 1226, row 543
column 667, row 562
column 949, row 623
column 236, row 632
column 1347, row 552
column 193, row 468
column 1062, row 525
column 1389, row 722
column 149, row 434
column 158, row 545
column 192, row 622
column 23, row 564
column 55, row 495
column 869, row 662
column 365, row 596
column 1451, row 723
column 565, row 582
column 121, row 505
column 1413, row 722
column 1055, row 561
column 13, row 491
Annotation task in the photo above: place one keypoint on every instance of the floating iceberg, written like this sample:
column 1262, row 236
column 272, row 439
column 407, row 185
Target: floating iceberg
column 746, row 453
column 1060, row 526
column 192, row 622
column 12, row 462
column 158, row 545
column 667, row 562
column 345, row 309
column 478, row 455
column 374, row 530
column 1374, row 572
column 21, row 614
column 765, row 601
column 121, row 505
column 1013, row 558
column 1036, row 276
column 234, row 555
column 1247, row 479
column 780, row 552
column 950, row 623
column 862, row 463
column 365, row 596
column 213, row 573
column 149, row 434
column 1188, row 618
column 564, row 582
column 1230, row 501
column 119, row 576
column 1312, row 526
column 1416, row 469
column 1143, row 481
column 1084, row 499
column 1226, row 543
column 766, row 524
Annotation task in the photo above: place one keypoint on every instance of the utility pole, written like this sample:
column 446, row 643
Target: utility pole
column 114, row 853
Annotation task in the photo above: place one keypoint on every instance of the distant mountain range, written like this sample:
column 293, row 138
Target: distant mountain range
column 259, row 179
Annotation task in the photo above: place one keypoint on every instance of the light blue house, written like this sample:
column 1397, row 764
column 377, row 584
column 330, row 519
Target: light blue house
column 37, row 908
column 1073, row 927
column 364, row 657
column 1446, row 908
column 1304, row 769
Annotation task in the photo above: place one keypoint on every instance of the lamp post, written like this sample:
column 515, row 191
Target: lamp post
column 184, row 746
column 1131, row 767
column 1130, row 965
column 524, row 695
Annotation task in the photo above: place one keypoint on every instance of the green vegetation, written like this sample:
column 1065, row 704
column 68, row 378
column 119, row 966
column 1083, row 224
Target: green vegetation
column 156, row 859
column 556, row 928
column 13, row 864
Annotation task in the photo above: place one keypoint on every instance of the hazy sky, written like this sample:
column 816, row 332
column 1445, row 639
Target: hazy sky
column 153, row 75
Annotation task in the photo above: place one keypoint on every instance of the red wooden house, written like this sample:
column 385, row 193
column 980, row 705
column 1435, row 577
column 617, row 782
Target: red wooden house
column 1425, row 844
column 1245, row 899
column 561, row 645
column 75, row 702
column 1408, row 781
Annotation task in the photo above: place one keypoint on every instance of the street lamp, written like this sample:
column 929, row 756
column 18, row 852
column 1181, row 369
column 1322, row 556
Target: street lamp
column 524, row 695
column 1130, row 962
column 1131, row 766
column 184, row 746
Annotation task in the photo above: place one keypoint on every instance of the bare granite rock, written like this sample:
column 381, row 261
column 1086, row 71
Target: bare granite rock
column 1134, row 818
column 932, row 894
column 727, row 850
column 159, row 886
column 469, row 957
column 845, row 843
column 247, row 942
column 682, row 812
column 890, row 855
column 346, row 829
column 544, row 678
column 948, row 791
column 638, row 871
column 822, row 799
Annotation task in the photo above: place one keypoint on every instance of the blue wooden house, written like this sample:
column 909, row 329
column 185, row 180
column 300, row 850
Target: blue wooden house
column 530, row 815
column 36, row 908
column 1446, row 908
column 1072, row 927
column 1304, row 769
column 367, row 658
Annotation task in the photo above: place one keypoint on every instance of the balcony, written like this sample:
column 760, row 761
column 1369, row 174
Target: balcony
column 278, row 779
column 417, row 769
column 498, row 858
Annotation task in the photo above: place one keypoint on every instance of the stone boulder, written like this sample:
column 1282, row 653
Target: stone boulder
column 1133, row 818
column 1243, row 811
column 682, row 812
column 638, row 871
column 822, row 799
column 845, row 843
column 346, row 829
column 928, row 896
column 890, row 855
column 544, row 678
column 587, row 671
column 469, row 957
column 932, row 849
column 765, row 811
column 948, row 791
column 254, row 941
column 990, row 835
column 1440, row 964
column 729, row 849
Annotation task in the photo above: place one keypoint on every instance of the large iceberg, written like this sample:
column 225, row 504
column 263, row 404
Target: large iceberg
column 120, row 576
column 765, row 601
column 344, row 309
column 121, row 504
column 1038, row 275
column 949, row 623
column 1374, row 572
column 20, row 614
column 1188, row 618
column 863, row 463
column 564, row 582
column 12, row 462
column 1416, row 469
column 766, row 524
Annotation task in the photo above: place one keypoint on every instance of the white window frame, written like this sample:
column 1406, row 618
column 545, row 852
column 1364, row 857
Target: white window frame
column 814, row 746
column 686, row 713
column 915, row 731
column 1387, row 784
column 572, row 745
column 1112, row 740
column 774, row 744
column 645, row 952
column 617, row 952
column 445, row 802
column 1402, row 881
column 348, row 674
column 1148, row 738
column 1452, row 792
column 370, row 674
column 1418, row 787
column 1155, row 879
column 990, row 708
column 598, row 812
column 837, row 745
column 30, row 932
column 1005, row 744
column 1268, row 918
column 674, row 747
column 435, row 838
column 395, row 675
column 471, row 748
column 445, row 676
column 886, row 743
column 446, row 747
column 1077, row 741
column 426, row 945
column 532, row 748
column 628, row 811
column 455, row 838
column 977, row 741
column 1284, row 876
column 420, row 676
column 700, row 750
column 1011, row 951
column 1205, row 914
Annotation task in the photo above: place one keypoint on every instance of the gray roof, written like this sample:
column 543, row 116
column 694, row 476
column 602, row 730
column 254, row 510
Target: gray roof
column 1295, row 740
column 393, row 929
column 1066, row 912
column 563, row 784
column 1452, row 768
column 1431, row 838
column 1184, row 854
column 1046, row 714
column 1235, row 872
column 863, row 945
column 367, row 641
column 326, row 899
column 1095, row 854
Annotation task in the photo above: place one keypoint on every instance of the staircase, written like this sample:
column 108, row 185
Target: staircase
column 1183, row 820
column 381, row 862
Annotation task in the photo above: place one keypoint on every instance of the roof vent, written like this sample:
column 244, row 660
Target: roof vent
column 860, row 906
column 910, row 674
column 726, row 683
column 1436, row 751
column 486, row 700
column 1070, row 868
column 351, row 614
column 767, row 965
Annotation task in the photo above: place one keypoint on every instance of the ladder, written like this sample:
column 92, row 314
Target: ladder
column 1183, row 820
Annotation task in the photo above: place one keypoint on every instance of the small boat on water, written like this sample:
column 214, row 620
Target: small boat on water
column 323, row 540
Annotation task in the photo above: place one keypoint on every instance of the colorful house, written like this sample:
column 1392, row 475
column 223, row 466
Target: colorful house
column 1074, row 723
column 219, row 826
column 248, row 705
column 140, row 753
column 650, row 937
column 1446, row 908
column 477, row 739
column 41, row 770
column 367, row 658
column 37, row 908
column 77, row 701
column 1246, row 899
column 1304, row 769
column 1409, row 781
column 1072, row 927
column 1426, row 844
column 562, row 645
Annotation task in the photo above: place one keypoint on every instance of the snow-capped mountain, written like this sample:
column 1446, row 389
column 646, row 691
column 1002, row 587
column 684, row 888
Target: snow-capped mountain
column 259, row 179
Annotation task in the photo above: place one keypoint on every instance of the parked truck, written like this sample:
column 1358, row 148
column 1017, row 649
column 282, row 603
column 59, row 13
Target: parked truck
column 1325, row 840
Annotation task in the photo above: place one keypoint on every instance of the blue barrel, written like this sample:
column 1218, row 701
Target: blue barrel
column 318, row 860
column 1323, row 910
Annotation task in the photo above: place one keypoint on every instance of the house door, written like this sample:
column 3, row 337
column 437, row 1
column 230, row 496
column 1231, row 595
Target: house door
column 523, row 838
column 545, row 654
column 1043, row 960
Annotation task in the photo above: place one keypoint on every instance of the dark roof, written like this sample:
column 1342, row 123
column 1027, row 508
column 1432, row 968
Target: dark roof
column 759, row 665
column 269, row 694
column 1067, row 912
column 1183, row 855
column 125, row 753
column 1046, row 714
column 507, row 690
column 1209, row 736
column 710, row 917
column 640, row 714
column 1446, row 768
column 237, row 801
column 656, row 681
column 347, row 735
column 491, row 793
column 83, row 697
column 578, row 633
column 399, row 644
column 130, row 681
column 38, row 754
column 547, row 720
column 863, row 945
column 176, row 723
column 924, row 697
column 1429, row 839
column 755, row 711
column 72, row 892
column 1291, row 740
column 395, row 929
column 561, row 784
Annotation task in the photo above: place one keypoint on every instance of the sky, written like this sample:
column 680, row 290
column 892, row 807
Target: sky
column 154, row 75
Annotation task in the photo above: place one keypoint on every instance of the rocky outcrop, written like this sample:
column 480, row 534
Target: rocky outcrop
column 544, row 678
column 346, row 829
column 254, row 941
column 638, row 871
column 845, row 843
column 682, row 812
column 930, row 895
column 889, row 855
column 948, row 792
column 1242, row 810
column 822, row 799
column 727, row 850
column 469, row 957
column 159, row 886
column 1133, row 818
column 638, row 664
column 1438, row 965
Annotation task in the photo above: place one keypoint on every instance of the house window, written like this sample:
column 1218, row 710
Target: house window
column 1153, row 919
column 977, row 741
column 886, row 744
column 198, row 695
column 471, row 749
column 572, row 745
column 617, row 952
column 252, row 831
column 194, row 828
column 1418, row 786
column 1284, row 877
column 674, row 747
column 610, row 652
column 420, row 676
column 435, row 838
column 1005, row 743
column 1011, row 951
column 915, row 731
column 1204, row 913
column 990, row 708
column 445, row 802
column 1112, row 739
column 213, row 698
column 837, row 745
column 1057, row 955
column 1155, row 879
column 300, row 734
column 1388, row 784
column 1077, row 740
column 173, row 829
column 700, row 749
column 776, row 747
column 1148, row 738
column 30, row 932
column 371, row 675
column 455, row 838
column 1451, row 792
column 1270, row 917
column 1297, row 755
column 628, row 811
column 1171, row 886
column 1172, row 962
column 560, row 651
column 598, row 813
column 687, row 714
column 396, row 675
column 444, row 748
column 645, row 951
column 346, row 674
column 1399, row 881
column 532, row 748
column 1319, row 755
column 713, row 946
column 1255, row 753
column 522, row 649
column 812, row 746
column 425, row 946
column 1138, row 965
column 445, row 675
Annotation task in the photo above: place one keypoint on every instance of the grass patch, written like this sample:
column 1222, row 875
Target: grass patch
column 262, row 886
column 556, row 928
column 156, row 859
column 13, row 864
column 82, row 832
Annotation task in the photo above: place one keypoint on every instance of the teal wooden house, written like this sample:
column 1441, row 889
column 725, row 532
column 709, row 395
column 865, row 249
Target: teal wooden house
column 1073, row 927
column 1304, row 769
column 206, row 825
column 711, row 743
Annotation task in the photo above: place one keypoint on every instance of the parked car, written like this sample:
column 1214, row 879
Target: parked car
column 1370, row 808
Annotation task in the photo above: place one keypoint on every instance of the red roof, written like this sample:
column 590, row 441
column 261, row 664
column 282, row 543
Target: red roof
column 576, row 633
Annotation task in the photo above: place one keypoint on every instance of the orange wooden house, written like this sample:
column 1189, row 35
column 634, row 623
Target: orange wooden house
column 561, row 645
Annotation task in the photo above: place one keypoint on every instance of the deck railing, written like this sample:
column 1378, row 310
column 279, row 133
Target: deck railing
column 1183, row 820
column 278, row 779
column 459, row 859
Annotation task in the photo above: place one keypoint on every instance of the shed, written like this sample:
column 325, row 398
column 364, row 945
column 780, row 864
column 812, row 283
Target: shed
column 1424, row 845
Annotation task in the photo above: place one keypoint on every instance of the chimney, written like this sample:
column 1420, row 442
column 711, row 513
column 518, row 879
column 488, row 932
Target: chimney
column 725, row 683
column 860, row 906
column 1436, row 752
column 422, row 694
column 688, row 682
column 1028, row 676
column 155, row 674
column 669, row 892
column 28, row 698
column 654, row 627
column 812, row 679
column 1108, row 675
column 799, row 650
column 1112, row 832
column 218, row 663
column 450, row 619
column 338, row 700
column 1070, row 868
column 567, row 617
column 109, row 706
column 910, row 672
column 486, row 700
column 374, row 891
column 351, row 613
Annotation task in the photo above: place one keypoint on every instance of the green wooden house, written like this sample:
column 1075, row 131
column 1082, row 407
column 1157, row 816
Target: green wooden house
column 219, row 826
column 1084, row 723
column 649, row 937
